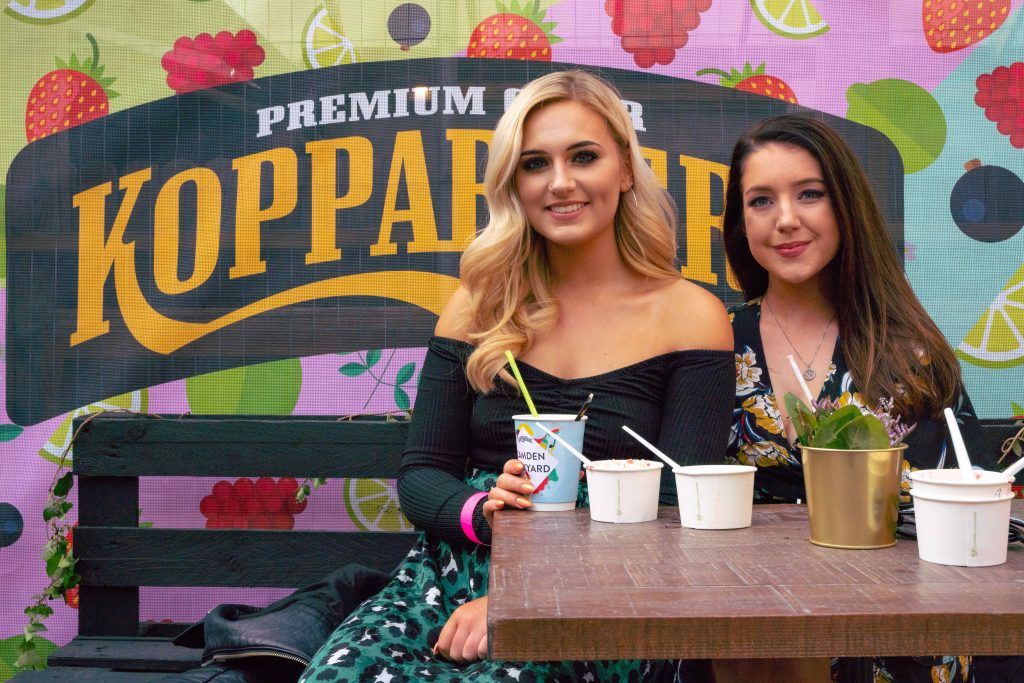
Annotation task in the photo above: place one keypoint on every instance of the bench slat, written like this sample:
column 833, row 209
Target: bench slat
column 119, row 556
column 238, row 446
column 78, row 674
column 132, row 654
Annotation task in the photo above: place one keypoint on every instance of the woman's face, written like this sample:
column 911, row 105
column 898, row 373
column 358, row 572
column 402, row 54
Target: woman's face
column 570, row 174
column 787, row 212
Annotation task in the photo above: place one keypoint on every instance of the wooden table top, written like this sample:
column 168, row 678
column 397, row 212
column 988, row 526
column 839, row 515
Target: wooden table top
column 565, row 587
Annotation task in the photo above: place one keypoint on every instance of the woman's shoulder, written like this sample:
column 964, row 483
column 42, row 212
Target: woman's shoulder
column 693, row 318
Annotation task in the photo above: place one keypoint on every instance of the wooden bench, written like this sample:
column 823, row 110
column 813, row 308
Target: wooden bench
column 115, row 556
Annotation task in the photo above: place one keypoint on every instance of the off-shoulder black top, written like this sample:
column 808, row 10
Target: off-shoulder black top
column 682, row 401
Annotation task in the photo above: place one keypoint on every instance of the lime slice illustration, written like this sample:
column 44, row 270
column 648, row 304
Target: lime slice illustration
column 790, row 18
column 9, row 653
column 265, row 389
column 135, row 401
column 373, row 505
column 905, row 113
column 997, row 339
column 324, row 43
column 46, row 11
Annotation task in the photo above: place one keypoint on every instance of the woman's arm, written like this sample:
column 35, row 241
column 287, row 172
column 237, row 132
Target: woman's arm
column 431, row 491
column 701, row 390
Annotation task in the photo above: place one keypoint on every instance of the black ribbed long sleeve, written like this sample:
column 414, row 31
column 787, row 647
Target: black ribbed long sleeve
column 430, row 487
column 698, row 414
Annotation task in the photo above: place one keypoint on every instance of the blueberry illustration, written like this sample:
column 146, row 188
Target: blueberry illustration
column 11, row 524
column 408, row 25
column 987, row 203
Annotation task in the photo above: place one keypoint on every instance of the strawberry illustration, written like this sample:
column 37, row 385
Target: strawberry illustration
column 951, row 25
column 755, row 81
column 516, row 32
column 69, row 96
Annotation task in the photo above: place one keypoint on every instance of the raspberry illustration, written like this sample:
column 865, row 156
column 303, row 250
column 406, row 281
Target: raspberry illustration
column 516, row 32
column 951, row 25
column 73, row 94
column 209, row 61
column 263, row 504
column 652, row 30
column 754, row 81
column 1001, row 95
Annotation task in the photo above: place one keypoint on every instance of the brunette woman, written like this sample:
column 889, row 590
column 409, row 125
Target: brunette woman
column 824, row 284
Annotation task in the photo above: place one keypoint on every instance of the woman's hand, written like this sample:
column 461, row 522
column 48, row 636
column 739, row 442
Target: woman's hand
column 464, row 637
column 512, row 490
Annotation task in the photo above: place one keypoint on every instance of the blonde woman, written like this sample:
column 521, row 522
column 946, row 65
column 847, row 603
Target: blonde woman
column 574, row 274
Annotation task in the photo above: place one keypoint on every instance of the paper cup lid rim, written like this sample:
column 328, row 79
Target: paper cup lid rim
column 552, row 417
column 711, row 469
column 959, row 482
column 943, row 499
column 596, row 465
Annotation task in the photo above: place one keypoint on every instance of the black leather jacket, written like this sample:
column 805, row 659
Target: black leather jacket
column 244, row 644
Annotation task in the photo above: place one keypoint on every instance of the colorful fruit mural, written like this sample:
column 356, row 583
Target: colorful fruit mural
column 943, row 80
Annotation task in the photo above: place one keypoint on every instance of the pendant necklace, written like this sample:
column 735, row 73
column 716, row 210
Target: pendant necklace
column 808, row 373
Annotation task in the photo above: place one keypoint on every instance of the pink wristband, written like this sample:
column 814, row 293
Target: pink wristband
column 468, row 508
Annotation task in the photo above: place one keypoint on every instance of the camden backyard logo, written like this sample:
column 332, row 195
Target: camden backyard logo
column 315, row 212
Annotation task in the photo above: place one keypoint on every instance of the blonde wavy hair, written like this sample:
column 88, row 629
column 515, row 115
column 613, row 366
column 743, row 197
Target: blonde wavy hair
column 505, row 269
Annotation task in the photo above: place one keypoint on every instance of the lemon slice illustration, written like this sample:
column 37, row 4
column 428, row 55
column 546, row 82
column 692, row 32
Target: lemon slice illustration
column 373, row 505
column 46, row 11
column 324, row 43
column 136, row 401
column 790, row 18
column 997, row 339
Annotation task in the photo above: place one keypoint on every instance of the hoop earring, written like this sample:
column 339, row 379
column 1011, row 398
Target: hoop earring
column 636, row 204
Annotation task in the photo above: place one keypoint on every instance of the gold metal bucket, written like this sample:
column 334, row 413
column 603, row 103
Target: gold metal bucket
column 853, row 496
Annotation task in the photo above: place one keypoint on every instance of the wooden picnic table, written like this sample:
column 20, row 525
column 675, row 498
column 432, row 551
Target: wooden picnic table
column 567, row 588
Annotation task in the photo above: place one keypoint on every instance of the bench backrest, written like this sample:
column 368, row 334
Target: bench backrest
column 115, row 556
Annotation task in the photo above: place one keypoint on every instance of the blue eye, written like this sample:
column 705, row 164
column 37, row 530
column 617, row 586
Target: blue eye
column 758, row 202
column 533, row 163
column 585, row 156
column 812, row 194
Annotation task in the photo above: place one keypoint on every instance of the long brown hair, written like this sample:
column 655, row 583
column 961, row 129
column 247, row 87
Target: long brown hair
column 891, row 345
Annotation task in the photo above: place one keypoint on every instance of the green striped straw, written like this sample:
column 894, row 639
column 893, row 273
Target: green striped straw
column 522, row 384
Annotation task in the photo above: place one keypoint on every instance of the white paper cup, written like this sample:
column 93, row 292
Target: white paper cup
column 715, row 496
column 983, row 484
column 963, row 532
column 624, row 491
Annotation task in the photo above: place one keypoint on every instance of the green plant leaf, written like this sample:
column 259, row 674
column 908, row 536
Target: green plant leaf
column 864, row 433
column 1017, row 408
column 803, row 419
column 405, row 373
column 401, row 399
column 352, row 369
column 829, row 425
column 372, row 356
column 63, row 485
column 9, row 432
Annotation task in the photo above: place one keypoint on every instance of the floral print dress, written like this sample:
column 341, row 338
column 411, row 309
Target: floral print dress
column 758, row 438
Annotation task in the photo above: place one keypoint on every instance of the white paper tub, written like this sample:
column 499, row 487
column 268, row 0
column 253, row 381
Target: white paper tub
column 715, row 496
column 624, row 491
column 963, row 532
column 983, row 484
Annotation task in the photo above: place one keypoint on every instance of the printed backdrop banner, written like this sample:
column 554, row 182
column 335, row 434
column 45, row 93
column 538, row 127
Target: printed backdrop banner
column 307, row 213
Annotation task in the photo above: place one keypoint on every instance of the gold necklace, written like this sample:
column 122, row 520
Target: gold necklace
column 808, row 372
